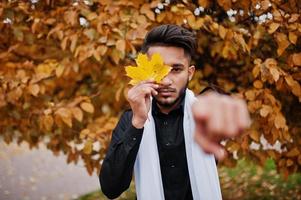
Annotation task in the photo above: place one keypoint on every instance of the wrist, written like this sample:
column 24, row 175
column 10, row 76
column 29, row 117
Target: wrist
column 138, row 123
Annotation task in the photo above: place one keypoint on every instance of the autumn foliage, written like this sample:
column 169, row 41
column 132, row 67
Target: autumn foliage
column 62, row 77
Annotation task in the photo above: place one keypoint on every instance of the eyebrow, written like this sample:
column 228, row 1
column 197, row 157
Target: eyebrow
column 177, row 65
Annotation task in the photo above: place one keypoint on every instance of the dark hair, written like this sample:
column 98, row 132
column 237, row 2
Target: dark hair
column 170, row 35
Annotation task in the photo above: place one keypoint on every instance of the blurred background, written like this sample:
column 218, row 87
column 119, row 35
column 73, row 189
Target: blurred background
column 63, row 88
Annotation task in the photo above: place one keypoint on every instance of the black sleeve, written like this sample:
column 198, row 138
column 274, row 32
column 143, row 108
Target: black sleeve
column 117, row 167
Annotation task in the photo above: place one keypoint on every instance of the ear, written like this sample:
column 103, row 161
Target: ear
column 191, row 70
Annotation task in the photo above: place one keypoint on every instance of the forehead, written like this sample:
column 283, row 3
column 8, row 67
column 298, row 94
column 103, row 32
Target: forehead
column 171, row 55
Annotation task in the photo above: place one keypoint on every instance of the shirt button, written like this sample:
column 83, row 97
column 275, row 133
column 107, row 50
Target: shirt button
column 167, row 144
column 172, row 166
column 134, row 138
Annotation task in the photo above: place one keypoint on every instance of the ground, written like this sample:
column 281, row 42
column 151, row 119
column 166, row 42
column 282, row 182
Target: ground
column 39, row 175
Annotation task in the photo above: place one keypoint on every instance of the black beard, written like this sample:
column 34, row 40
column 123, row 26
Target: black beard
column 177, row 100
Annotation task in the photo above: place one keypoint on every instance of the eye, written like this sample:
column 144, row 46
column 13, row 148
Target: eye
column 176, row 69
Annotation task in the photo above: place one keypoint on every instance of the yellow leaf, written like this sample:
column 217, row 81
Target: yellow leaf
column 273, row 27
column 233, row 146
column 88, row 107
column 195, row 23
column 160, row 17
column 88, row 147
column 45, row 70
column 147, row 69
column 222, row 31
column 59, row 70
column 77, row 114
column 292, row 37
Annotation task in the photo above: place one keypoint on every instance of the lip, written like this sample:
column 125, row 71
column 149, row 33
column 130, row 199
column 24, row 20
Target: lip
column 165, row 92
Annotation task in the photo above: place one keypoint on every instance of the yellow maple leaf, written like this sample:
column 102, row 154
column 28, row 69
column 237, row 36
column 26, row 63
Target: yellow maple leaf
column 147, row 69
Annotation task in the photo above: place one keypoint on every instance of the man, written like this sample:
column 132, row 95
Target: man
column 166, row 135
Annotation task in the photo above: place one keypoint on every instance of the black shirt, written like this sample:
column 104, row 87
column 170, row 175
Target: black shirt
column 117, row 167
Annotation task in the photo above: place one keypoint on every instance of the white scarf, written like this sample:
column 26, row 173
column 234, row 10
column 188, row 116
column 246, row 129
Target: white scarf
column 201, row 166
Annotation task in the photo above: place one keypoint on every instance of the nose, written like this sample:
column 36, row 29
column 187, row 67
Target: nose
column 166, row 81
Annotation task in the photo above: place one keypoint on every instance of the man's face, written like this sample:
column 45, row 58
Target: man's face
column 174, row 84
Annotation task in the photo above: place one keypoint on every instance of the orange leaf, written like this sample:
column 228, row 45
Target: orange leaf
column 145, row 9
column 292, row 36
column 265, row 110
column 204, row 3
column 71, row 17
column 275, row 73
column 226, row 4
column 250, row 95
column 280, row 121
column 66, row 115
column 84, row 133
column 77, row 113
column 34, row 89
column 296, row 57
column 48, row 122
column 282, row 42
column 293, row 152
column 256, row 71
column 294, row 18
column 289, row 162
column 258, row 84
column 88, row 107
column 254, row 135
column 120, row 45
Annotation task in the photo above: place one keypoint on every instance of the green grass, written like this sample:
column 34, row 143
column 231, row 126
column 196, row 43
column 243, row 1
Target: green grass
column 249, row 181
column 246, row 181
